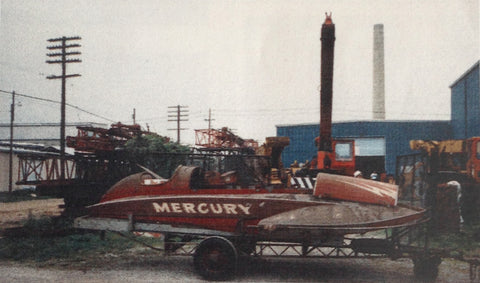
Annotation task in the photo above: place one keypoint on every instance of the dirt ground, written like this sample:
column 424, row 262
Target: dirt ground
column 148, row 267
column 140, row 265
column 12, row 214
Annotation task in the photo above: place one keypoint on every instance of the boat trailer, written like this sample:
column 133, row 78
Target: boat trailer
column 216, row 253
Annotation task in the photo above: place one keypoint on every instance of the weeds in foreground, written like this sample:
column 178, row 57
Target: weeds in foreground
column 47, row 238
column 54, row 238
column 466, row 242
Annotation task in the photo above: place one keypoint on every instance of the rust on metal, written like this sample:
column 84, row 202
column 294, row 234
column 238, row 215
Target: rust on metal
column 222, row 138
column 36, row 169
column 328, row 18
column 95, row 139
column 326, row 78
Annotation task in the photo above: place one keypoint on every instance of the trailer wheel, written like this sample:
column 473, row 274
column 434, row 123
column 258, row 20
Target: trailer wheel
column 425, row 267
column 215, row 259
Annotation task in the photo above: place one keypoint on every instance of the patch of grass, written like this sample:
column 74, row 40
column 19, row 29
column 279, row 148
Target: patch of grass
column 36, row 246
column 464, row 243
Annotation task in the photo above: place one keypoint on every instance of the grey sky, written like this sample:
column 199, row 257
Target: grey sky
column 256, row 64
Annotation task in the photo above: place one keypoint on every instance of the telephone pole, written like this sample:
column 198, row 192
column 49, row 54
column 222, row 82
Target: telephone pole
column 63, row 47
column 10, row 165
column 175, row 115
column 209, row 120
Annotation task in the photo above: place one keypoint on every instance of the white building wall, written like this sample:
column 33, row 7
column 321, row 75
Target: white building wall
column 4, row 172
column 46, row 134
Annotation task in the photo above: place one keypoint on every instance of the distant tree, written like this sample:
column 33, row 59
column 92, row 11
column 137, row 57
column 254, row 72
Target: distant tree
column 157, row 153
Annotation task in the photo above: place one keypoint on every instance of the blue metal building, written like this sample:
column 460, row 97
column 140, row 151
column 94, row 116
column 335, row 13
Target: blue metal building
column 379, row 142
column 375, row 141
column 466, row 104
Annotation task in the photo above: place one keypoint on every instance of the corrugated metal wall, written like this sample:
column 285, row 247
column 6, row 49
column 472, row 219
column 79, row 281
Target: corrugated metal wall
column 465, row 104
column 397, row 135
column 302, row 142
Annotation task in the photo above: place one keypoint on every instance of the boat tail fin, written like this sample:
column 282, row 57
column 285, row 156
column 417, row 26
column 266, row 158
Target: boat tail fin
column 355, row 189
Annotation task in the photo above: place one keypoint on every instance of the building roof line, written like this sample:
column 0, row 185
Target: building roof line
column 368, row 121
column 465, row 73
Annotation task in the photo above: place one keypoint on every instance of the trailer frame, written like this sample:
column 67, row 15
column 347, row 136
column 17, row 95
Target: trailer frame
column 215, row 253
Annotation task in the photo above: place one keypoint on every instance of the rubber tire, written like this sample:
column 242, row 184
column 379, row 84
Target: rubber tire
column 215, row 258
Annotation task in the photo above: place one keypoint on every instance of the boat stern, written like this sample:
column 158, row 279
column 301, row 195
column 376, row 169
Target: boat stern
column 348, row 188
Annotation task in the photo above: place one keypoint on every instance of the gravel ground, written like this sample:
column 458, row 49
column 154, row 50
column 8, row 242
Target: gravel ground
column 117, row 268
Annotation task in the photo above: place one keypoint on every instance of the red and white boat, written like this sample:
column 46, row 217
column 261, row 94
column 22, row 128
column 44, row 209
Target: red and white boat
column 338, row 205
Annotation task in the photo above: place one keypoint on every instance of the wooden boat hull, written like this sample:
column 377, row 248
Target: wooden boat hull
column 347, row 188
column 269, row 216
column 339, row 205
column 322, row 223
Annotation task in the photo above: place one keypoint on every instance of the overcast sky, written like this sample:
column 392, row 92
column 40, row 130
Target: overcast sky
column 255, row 64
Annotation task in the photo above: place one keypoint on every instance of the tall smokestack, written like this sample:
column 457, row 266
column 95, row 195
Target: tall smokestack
column 378, row 104
column 326, row 77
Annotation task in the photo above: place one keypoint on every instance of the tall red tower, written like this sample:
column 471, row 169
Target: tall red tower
column 326, row 79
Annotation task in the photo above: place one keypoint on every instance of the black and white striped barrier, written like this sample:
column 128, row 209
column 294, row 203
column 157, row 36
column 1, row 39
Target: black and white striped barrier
column 303, row 182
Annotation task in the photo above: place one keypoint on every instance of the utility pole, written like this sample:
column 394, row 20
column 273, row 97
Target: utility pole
column 133, row 116
column 209, row 120
column 176, row 114
column 64, row 61
column 10, row 165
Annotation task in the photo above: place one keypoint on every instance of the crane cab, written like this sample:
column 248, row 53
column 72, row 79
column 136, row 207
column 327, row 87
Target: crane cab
column 341, row 160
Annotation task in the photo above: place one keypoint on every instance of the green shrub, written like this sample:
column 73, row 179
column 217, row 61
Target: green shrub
column 39, row 242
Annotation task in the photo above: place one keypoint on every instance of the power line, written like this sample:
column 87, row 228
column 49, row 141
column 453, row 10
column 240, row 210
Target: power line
column 32, row 97
column 236, row 112
column 57, row 102
column 88, row 112
column 301, row 111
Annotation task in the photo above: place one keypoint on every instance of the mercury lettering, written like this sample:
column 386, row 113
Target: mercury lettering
column 201, row 208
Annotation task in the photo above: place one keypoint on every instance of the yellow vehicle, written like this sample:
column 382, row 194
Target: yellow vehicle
column 445, row 163
column 460, row 156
